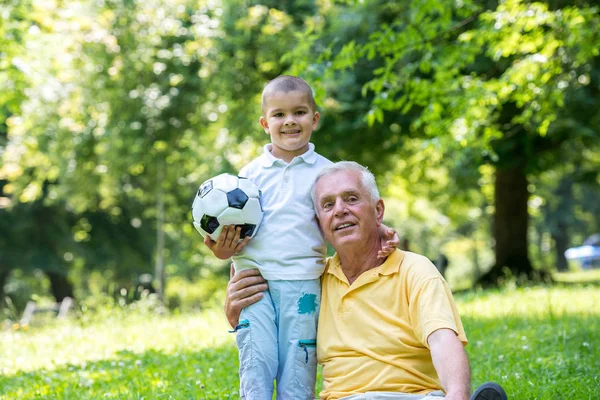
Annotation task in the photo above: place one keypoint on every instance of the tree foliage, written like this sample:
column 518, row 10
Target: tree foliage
column 477, row 117
column 508, row 85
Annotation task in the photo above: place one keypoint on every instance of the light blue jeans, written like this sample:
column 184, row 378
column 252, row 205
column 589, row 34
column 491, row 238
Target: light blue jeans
column 276, row 338
column 393, row 396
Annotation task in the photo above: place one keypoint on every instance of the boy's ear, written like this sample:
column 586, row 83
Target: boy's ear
column 264, row 124
column 316, row 119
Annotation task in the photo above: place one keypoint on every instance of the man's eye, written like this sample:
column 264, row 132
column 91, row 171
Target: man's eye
column 352, row 199
column 327, row 206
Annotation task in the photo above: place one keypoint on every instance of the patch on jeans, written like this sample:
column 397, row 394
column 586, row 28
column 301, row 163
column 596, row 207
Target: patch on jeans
column 243, row 324
column 307, row 304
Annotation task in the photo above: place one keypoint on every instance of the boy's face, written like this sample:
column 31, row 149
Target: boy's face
column 289, row 120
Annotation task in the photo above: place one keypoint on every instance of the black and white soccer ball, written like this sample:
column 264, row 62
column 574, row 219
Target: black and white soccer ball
column 227, row 200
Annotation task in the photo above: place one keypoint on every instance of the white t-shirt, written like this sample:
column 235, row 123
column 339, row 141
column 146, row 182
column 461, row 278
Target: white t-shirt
column 289, row 244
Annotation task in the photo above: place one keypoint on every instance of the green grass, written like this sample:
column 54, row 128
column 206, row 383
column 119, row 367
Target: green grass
column 538, row 342
column 578, row 276
column 121, row 356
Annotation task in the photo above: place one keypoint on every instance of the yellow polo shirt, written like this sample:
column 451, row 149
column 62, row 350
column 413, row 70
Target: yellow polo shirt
column 372, row 334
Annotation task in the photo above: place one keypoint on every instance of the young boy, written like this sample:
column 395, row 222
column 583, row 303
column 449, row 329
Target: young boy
column 276, row 336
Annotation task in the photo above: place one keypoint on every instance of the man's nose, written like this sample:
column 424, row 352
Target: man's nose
column 339, row 208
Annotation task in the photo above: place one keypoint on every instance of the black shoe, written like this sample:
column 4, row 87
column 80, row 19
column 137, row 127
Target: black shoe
column 489, row 391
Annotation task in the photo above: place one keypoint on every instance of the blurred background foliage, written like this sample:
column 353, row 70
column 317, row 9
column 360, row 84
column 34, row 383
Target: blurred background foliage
column 481, row 121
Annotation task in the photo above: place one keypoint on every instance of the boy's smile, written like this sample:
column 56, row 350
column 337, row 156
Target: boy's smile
column 289, row 120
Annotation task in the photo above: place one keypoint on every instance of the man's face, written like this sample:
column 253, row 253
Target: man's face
column 347, row 214
column 290, row 120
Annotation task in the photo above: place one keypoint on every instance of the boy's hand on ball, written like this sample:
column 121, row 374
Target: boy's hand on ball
column 228, row 243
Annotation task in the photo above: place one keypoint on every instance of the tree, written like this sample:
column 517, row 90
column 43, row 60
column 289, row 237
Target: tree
column 491, row 80
column 101, row 119
column 132, row 114
column 14, row 22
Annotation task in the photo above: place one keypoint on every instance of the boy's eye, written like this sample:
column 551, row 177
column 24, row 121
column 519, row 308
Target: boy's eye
column 278, row 115
column 300, row 112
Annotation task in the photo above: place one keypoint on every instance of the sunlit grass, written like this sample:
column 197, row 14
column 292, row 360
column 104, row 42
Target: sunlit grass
column 539, row 301
column 54, row 346
column 538, row 342
column 129, row 355
column 579, row 276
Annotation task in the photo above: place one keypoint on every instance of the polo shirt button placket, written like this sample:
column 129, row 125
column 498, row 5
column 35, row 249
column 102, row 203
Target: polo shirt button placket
column 345, row 307
column 286, row 175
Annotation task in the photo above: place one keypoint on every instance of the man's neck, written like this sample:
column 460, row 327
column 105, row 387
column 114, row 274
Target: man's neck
column 359, row 259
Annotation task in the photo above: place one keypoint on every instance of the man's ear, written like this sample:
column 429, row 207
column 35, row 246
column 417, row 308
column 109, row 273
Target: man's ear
column 265, row 125
column 379, row 209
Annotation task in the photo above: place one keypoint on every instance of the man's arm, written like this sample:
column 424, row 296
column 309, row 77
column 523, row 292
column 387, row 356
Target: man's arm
column 243, row 289
column 451, row 363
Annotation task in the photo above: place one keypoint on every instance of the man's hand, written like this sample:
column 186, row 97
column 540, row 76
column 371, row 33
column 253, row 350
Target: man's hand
column 389, row 241
column 243, row 289
column 228, row 243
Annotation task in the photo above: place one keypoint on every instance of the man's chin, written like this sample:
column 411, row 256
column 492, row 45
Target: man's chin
column 343, row 240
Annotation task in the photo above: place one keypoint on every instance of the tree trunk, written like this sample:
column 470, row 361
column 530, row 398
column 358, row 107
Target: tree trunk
column 562, row 215
column 561, row 242
column 60, row 286
column 475, row 259
column 511, row 222
column 4, row 273
column 159, row 265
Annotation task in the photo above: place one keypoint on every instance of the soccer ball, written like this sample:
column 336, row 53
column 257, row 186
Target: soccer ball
column 227, row 200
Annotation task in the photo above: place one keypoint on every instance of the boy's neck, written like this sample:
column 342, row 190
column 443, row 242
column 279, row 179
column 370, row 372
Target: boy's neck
column 287, row 156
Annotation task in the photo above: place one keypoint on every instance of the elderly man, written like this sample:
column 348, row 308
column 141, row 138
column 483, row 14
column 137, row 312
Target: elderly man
column 388, row 329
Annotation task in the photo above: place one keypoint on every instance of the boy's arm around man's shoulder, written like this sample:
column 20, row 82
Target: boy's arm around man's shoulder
column 389, row 241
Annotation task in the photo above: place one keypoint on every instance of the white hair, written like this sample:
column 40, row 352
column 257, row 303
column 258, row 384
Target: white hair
column 367, row 179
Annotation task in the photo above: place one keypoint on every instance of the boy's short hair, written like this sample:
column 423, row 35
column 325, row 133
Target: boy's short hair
column 287, row 83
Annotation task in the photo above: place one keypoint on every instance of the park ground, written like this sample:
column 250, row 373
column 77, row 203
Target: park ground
column 539, row 342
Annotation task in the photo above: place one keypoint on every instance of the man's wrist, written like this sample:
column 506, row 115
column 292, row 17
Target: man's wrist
column 460, row 393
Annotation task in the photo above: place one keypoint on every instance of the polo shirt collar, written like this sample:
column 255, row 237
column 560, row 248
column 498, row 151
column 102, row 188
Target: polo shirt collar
column 268, row 159
column 392, row 264
column 389, row 267
column 335, row 268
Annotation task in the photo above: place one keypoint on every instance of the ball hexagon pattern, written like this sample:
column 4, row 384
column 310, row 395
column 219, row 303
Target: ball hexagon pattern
column 227, row 200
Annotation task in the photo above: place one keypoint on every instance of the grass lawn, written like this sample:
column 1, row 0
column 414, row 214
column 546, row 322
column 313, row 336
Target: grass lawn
column 538, row 342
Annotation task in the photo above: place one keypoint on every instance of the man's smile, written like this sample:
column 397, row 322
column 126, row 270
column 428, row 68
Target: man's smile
column 344, row 226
